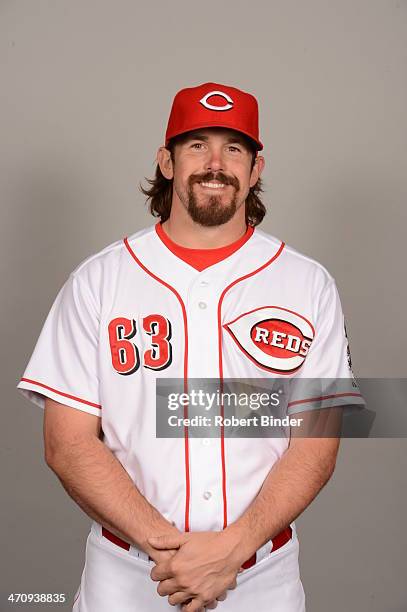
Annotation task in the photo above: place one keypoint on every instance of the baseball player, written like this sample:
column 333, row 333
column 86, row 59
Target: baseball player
column 203, row 293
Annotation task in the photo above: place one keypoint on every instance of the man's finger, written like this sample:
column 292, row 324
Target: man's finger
column 222, row 596
column 166, row 541
column 233, row 585
column 161, row 571
column 178, row 598
column 211, row 605
column 168, row 587
column 196, row 605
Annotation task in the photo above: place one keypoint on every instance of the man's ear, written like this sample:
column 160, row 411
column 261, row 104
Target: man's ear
column 165, row 162
column 257, row 170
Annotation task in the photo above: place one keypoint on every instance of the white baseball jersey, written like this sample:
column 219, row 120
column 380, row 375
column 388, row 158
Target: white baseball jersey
column 135, row 312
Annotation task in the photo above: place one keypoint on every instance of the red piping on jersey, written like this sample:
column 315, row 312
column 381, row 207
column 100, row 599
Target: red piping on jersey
column 323, row 397
column 238, row 280
column 184, row 315
column 78, row 399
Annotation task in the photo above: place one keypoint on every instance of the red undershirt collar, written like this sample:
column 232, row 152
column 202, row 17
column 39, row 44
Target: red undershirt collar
column 202, row 258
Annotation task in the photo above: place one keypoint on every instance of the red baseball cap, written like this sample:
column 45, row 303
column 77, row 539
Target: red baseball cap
column 214, row 105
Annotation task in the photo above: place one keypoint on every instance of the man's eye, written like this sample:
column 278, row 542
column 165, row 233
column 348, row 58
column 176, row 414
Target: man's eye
column 197, row 145
column 232, row 148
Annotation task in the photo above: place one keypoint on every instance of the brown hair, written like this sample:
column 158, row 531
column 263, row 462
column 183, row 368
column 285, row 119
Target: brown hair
column 159, row 194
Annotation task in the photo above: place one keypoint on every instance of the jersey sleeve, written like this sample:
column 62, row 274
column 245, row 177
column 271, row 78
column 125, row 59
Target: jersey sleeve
column 326, row 378
column 64, row 363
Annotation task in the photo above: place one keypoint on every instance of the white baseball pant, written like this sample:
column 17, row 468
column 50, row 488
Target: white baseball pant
column 115, row 579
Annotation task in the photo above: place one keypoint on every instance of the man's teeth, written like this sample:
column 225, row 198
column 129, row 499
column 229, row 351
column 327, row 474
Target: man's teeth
column 213, row 185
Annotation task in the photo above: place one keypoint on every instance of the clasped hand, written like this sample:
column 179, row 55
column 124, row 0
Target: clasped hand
column 197, row 570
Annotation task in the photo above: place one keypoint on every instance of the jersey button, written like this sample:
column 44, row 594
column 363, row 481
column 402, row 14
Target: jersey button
column 202, row 305
column 204, row 283
column 207, row 495
column 206, row 441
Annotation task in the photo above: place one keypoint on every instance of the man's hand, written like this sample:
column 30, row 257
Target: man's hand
column 204, row 567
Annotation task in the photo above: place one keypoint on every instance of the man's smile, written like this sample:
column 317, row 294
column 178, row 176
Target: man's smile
column 212, row 185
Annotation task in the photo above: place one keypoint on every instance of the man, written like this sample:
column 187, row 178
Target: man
column 188, row 521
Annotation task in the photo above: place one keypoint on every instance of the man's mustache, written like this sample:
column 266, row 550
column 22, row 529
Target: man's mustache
column 219, row 177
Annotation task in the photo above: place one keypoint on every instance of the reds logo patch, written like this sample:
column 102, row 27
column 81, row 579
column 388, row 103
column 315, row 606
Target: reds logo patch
column 227, row 104
column 274, row 338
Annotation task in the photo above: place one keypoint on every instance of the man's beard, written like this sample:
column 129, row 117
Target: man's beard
column 214, row 212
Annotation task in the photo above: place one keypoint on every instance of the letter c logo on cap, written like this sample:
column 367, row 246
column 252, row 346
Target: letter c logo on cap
column 206, row 104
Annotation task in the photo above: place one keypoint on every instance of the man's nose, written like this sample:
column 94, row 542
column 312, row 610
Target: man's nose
column 215, row 161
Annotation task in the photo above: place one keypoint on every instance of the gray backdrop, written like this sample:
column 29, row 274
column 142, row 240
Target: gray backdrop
column 86, row 88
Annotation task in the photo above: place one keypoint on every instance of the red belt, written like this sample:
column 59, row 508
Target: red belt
column 115, row 539
column 278, row 541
